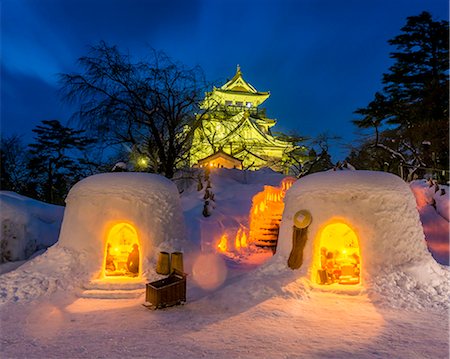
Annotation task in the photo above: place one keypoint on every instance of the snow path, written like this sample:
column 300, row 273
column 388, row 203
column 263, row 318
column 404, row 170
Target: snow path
column 324, row 325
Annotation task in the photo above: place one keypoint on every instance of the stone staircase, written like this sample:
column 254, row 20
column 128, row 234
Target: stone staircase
column 114, row 288
column 267, row 233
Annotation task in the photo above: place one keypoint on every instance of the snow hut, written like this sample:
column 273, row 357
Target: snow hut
column 345, row 227
column 120, row 221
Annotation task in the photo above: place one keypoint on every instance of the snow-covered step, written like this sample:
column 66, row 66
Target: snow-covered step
column 112, row 294
column 115, row 284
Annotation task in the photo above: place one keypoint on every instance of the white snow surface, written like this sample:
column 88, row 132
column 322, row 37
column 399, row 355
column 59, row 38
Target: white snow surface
column 28, row 225
column 265, row 311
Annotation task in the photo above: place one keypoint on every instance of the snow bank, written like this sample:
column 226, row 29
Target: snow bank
column 420, row 285
column 433, row 205
column 57, row 269
column 27, row 226
column 428, row 193
column 381, row 210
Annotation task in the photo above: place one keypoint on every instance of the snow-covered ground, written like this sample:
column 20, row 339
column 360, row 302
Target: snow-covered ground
column 322, row 325
column 248, row 309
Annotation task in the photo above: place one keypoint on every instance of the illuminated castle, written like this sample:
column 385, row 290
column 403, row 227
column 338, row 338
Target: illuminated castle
column 235, row 127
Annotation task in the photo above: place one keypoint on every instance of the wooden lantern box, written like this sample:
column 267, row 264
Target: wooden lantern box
column 166, row 292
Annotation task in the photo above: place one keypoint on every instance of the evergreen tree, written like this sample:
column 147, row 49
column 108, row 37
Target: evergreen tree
column 410, row 116
column 14, row 173
column 52, row 164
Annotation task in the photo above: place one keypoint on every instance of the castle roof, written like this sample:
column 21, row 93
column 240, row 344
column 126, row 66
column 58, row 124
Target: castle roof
column 238, row 85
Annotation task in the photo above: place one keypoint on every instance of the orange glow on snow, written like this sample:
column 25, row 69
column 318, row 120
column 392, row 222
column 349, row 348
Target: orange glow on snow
column 87, row 305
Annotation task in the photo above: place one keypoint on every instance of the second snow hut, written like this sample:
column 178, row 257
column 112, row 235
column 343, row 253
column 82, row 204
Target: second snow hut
column 345, row 227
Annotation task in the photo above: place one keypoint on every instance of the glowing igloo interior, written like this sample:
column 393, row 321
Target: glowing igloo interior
column 122, row 252
column 338, row 259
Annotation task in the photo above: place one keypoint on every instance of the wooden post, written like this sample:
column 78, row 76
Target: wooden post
column 299, row 237
column 163, row 265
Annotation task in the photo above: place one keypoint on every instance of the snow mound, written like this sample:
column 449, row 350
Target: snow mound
column 427, row 193
column 418, row 286
column 433, row 206
column 147, row 202
column 57, row 269
column 378, row 206
column 381, row 210
column 27, row 226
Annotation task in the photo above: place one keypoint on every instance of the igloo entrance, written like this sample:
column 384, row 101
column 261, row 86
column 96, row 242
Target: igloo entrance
column 337, row 257
column 122, row 252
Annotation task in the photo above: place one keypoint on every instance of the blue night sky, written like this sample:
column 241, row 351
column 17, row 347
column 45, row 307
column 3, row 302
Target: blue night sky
column 321, row 59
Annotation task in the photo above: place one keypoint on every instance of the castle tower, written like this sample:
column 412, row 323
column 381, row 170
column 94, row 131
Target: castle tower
column 234, row 122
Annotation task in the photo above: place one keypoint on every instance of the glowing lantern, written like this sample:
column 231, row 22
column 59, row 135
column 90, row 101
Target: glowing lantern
column 143, row 162
column 243, row 240
column 265, row 215
column 223, row 244
column 237, row 242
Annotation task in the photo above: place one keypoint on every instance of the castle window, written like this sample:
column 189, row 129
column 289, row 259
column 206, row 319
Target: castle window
column 228, row 103
column 239, row 103
column 248, row 104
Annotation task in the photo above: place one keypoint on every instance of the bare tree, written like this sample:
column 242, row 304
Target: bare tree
column 148, row 106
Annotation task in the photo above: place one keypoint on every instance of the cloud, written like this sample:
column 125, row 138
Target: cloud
column 26, row 101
